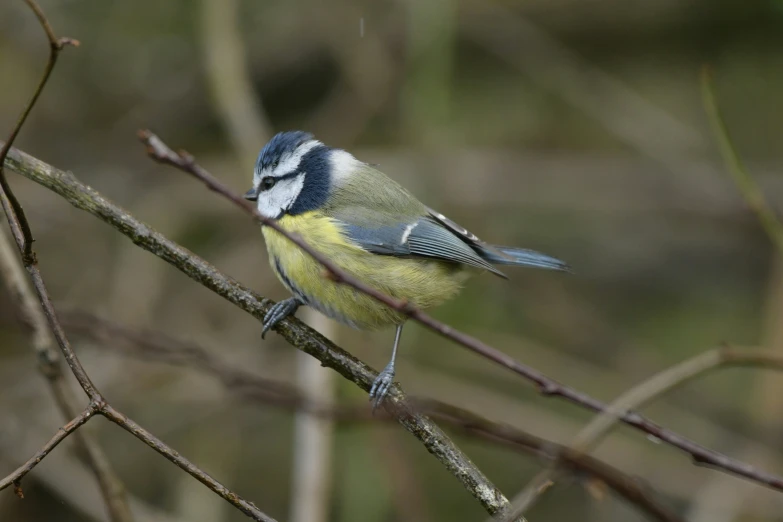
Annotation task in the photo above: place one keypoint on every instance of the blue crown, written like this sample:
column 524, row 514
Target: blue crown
column 282, row 143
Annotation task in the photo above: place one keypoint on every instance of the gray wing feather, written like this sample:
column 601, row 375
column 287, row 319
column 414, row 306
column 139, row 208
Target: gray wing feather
column 423, row 237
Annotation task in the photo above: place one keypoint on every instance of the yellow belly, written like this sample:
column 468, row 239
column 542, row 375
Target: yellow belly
column 422, row 282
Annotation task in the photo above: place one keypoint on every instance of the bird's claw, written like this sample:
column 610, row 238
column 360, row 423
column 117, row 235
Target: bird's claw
column 278, row 312
column 381, row 385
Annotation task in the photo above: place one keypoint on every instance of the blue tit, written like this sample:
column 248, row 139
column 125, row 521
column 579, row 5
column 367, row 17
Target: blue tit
column 371, row 228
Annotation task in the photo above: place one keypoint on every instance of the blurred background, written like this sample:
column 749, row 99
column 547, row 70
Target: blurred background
column 572, row 127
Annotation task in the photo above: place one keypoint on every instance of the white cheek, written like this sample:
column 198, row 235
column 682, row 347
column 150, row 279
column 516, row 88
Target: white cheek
column 275, row 202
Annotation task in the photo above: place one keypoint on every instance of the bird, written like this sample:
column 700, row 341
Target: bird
column 370, row 227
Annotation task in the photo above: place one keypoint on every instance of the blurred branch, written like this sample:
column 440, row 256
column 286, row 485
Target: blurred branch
column 632, row 119
column 643, row 393
column 744, row 181
column 230, row 83
column 43, row 343
column 98, row 404
column 313, row 434
column 151, row 345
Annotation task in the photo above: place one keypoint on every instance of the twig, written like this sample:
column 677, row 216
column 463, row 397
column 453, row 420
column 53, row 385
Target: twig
column 16, row 477
column 112, row 488
column 150, row 345
column 546, row 385
column 744, row 181
column 248, row 508
column 640, row 395
column 24, row 238
column 22, row 232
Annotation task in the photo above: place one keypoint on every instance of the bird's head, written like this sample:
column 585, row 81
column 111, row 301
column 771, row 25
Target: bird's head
column 293, row 174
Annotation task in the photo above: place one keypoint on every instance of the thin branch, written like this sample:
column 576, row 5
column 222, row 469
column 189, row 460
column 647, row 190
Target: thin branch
column 747, row 186
column 546, row 385
column 248, row 508
column 42, row 342
column 150, row 345
column 642, row 394
column 24, row 238
column 16, row 217
column 16, row 477
column 21, row 230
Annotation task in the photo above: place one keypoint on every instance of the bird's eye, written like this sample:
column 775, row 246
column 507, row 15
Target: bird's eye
column 267, row 183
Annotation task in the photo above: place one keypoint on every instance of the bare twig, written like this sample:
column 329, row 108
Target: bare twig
column 248, row 508
column 641, row 394
column 546, row 385
column 150, row 345
column 22, row 232
column 745, row 183
column 16, row 477
column 112, row 488
column 24, row 238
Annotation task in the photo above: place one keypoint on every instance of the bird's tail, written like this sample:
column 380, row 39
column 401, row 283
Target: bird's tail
column 503, row 255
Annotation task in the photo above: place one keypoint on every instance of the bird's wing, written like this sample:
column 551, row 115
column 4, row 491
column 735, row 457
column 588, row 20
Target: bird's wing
column 421, row 236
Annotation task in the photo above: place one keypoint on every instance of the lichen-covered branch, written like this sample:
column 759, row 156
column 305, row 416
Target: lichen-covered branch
column 295, row 332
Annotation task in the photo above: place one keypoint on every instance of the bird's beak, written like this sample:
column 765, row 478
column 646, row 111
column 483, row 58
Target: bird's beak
column 252, row 194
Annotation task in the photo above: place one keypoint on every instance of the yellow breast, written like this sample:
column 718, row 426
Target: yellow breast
column 422, row 282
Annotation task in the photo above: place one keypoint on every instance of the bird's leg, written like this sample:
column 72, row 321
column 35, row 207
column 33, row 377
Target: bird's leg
column 278, row 312
column 382, row 383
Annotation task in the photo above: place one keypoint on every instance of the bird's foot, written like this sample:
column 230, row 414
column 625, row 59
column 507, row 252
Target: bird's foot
column 279, row 312
column 381, row 385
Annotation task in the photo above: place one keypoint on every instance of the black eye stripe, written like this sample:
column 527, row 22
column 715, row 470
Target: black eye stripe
column 269, row 181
